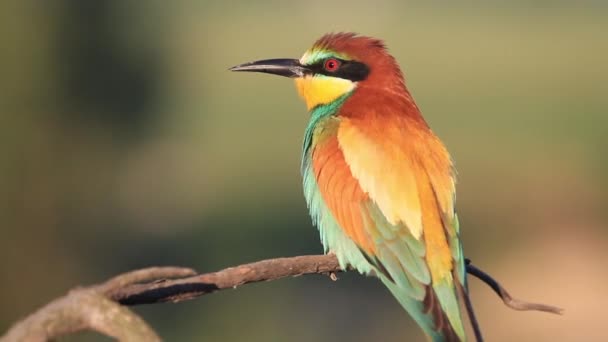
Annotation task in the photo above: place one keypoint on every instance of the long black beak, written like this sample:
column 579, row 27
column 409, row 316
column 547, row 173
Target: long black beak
column 280, row 66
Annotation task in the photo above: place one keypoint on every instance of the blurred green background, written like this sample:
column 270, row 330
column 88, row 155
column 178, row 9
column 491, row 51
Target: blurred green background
column 126, row 143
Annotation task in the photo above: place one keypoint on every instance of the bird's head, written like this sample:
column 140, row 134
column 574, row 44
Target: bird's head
column 336, row 65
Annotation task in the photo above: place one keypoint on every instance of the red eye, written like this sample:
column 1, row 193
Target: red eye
column 331, row 65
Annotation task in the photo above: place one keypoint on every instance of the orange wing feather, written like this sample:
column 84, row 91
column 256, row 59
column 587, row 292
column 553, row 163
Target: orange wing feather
column 341, row 191
column 379, row 159
column 407, row 172
column 389, row 185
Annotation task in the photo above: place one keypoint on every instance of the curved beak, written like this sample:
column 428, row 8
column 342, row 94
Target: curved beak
column 280, row 66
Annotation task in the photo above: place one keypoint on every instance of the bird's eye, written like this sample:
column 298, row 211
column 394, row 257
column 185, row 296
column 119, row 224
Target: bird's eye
column 331, row 64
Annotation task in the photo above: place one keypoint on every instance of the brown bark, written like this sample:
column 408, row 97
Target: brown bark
column 99, row 308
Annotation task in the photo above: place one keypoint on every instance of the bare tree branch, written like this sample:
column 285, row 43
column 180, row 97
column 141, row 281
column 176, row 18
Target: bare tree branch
column 81, row 309
column 91, row 309
column 509, row 301
column 471, row 312
column 144, row 275
column 97, row 307
column 188, row 288
column 266, row 270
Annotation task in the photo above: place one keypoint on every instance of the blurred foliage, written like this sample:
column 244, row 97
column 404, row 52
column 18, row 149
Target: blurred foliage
column 126, row 143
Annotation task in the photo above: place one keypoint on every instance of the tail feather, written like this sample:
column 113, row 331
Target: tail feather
column 429, row 314
column 447, row 322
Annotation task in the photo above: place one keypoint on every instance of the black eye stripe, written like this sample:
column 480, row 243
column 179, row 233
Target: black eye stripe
column 350, row 70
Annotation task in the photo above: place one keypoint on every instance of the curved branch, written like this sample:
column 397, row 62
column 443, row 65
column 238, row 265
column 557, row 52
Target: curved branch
column 191, row 287
column 149, row 274
column 266, row 270
column 82, row 309
column 509, row 301
column 97, row 307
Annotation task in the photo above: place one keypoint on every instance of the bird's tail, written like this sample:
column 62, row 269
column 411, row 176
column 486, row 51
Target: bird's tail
column 438, row 314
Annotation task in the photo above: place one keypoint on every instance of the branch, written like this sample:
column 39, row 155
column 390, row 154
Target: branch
column 266, row 270
column 470, row 312
column 90, row 309
column 97, row 307
column 509, row 301
column 81, row 310
column 188, row 288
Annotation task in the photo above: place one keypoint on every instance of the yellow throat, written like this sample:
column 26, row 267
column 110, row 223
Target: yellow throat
column 318, row 90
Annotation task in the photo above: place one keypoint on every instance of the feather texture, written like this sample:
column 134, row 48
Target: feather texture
column 380, row 187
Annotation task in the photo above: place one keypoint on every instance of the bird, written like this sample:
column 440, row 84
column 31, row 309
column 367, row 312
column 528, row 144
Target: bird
column 379, row 184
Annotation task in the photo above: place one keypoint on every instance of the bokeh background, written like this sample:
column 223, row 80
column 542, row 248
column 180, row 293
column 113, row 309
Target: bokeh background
column 127, row 143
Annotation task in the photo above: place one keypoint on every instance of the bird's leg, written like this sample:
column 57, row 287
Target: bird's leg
column 332, row 275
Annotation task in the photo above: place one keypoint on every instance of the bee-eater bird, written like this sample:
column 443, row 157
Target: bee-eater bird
column 378, row 182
